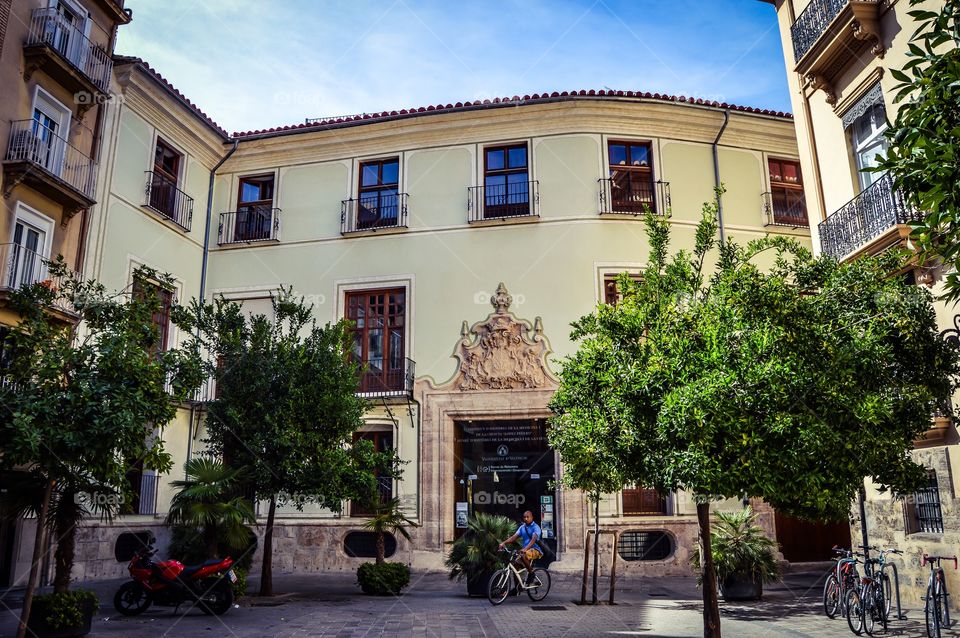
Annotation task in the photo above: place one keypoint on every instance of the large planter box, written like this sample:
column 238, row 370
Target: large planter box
column 741, row 587
column 478, row 586
column 37, row 623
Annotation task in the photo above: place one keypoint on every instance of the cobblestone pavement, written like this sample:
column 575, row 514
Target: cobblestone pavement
column 330, row 605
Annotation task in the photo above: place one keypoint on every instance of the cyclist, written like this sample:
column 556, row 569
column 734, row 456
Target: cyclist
column 529, row 532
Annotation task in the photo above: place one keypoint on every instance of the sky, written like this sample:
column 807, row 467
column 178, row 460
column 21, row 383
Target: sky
column 253, row 64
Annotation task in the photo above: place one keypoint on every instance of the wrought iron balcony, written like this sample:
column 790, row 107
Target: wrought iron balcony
column 785, row 208
column 878, row 209
column 619, row 197
column 63, row 51
column 249, row 224
column 163, row 196
column 373, row 211
column 20, row 267
column 395, row 381
column 38, row 156
column 503, row 201
column 813, row 23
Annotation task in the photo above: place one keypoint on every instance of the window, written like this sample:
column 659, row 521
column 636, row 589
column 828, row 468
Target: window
column 506, row 182
column 49, row 130
column 654, row 545
column 378, row 337
column 787, row 202
column 25, row 264
column 161, row 317
column 163, row 182
column 254, row 209
column 378, row 197
column 642, row 501
column 921, row 511
column 382, row 442
column 364, row 544
column 611, row 289
column 631, row 177
column 869, row 143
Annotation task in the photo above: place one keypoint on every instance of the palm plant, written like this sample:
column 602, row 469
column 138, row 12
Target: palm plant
column 207, row 500
column 740, row 547
column 475, row 553
column 387, row 517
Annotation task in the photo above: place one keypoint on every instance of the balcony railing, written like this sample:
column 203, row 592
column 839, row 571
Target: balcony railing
column 865, row 217
column 503, row 201
column 20, row 266
column 249, row 224
column 812, row 23
column 163, row 196
column 396, row 381
column 785, row 208
column 50, row 28
column 373, row 211
column 40, row 146
column 634, row 198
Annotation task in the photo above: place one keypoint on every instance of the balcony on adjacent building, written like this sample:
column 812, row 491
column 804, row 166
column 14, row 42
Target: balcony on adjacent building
column 830, row 34
column 171, row 203
column 57, row 46
column 21, row 267
column 503, row 201
column 249, row 224
column 373, row 211
column 875, row 218
column 394, row 381
column 783, row 207
column 46, row 162
column 626, row 197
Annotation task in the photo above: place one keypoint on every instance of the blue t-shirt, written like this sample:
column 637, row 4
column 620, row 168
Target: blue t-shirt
column 526, row 533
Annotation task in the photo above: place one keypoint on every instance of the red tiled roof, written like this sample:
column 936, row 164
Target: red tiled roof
column 125, row 59
column 516, row 100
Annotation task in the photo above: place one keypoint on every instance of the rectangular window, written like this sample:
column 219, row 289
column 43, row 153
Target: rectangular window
column 506, row 182
column 382, row 442
column 165, row 179
column 631, row 177
column 378, row 196
column 161, row 317
column 922, row 511
column 642, row 501
column 789, row 207
column 611, row 289
column 869, row 142
column 26, row 262
column 378, row 337
column 254, row 209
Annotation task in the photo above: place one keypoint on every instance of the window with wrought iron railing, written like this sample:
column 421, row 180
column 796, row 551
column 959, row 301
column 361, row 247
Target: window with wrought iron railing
column 922, row 511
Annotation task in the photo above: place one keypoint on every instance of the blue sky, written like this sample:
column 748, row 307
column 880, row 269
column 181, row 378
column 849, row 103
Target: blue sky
column 254, row 64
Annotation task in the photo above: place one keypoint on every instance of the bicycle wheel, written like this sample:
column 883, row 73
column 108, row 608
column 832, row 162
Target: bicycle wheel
column 854, row 605
column 871, row 610
column 932, row 612
column 541, row 578
column 831, row 596
column 499, row 586
column 886, row 589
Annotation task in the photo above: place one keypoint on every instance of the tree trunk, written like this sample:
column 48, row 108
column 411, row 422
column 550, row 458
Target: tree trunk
column 711, row 608
column 35, row 565
column 66, row 532
column 381, row 550
column 210, row 541
column 596, row 545
column 266, row 572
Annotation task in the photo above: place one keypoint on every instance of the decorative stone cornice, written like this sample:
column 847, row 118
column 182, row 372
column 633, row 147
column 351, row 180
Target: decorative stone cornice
column 871, row 98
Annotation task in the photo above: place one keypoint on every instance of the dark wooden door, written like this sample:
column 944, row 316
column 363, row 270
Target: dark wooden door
column 804, row 541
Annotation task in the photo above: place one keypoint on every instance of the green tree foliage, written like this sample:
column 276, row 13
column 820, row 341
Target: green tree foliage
column 790, row 382
column 924, row 157
column 84, row 392
column 286, row 408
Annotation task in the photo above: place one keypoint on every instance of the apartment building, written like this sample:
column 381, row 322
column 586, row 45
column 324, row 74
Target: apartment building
column 839, row 54
column 55, row 70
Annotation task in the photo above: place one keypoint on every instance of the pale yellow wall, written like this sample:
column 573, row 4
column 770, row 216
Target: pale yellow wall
column 568, row 168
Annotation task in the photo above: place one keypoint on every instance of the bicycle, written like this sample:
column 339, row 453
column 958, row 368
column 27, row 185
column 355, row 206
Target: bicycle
column 499, row 586
column 936, row 608
column 842, row 577
column 870, row 600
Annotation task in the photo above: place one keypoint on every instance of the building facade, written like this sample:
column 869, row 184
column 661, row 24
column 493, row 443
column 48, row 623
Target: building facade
column 55, row 70
column 839, row 54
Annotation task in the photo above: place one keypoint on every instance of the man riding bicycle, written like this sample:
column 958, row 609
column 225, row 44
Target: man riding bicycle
column 529, row 532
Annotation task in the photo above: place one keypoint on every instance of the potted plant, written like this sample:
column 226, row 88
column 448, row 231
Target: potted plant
column 474, row 555
column 743, row 556
column 62, row 615
column 382, row 578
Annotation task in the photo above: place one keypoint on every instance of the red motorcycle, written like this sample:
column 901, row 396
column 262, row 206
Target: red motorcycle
column 170, row 584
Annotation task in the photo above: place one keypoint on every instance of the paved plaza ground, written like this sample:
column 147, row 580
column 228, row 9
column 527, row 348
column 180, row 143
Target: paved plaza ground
column 332, row 605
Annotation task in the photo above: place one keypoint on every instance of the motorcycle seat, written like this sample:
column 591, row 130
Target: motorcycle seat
column 193, row 569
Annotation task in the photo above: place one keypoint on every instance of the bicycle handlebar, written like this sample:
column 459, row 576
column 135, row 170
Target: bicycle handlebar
column 936, row 559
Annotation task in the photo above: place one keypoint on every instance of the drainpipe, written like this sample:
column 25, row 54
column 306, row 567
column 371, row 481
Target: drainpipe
column 716, row 171
column 206, row 231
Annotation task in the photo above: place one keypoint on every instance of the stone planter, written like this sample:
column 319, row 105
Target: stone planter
column 741, row 587
column 478, row 586
column 37, row 624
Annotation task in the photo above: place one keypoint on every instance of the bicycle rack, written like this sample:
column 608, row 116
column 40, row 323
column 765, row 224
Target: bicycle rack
column 896, row 584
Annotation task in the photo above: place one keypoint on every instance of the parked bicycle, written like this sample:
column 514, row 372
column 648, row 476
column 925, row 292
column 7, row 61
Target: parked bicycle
column 842, row 578
column 511, row 579
column 936, row 608
column 869, row 602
